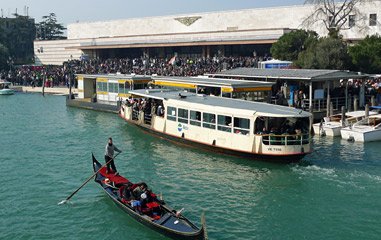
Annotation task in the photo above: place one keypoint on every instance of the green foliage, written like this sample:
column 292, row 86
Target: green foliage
column 327, row 53
column 49, row 29
column 289, row 46
column 19, row 39
column 4, row 54
column 366, row 55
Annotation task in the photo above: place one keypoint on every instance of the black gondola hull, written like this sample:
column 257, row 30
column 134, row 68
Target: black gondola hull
column 197, row 235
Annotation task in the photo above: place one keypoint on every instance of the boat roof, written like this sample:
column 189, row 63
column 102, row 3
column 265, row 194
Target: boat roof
column 115, row 76
column 215, row 82
column 4, row 82
column 224, row 104
column 310, row 75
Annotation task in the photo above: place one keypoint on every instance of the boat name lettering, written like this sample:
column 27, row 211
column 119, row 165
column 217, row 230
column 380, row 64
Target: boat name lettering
column 273, row 149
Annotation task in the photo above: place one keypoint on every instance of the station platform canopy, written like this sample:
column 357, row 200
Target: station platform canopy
column 306, row 75
column 226, row 85
column 113, row 77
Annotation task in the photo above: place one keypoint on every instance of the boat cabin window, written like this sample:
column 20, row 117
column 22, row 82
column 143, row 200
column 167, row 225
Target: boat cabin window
column 140, row 86
column 195, row 118
column 281, row 125
column 182, row 115
column 171, row 113
column 113, row 87
column 101, row 86
column 124, row 87
column 241, row 126
column 209, row 120
column 224, row 123
column 283, row 130
column 227, row 94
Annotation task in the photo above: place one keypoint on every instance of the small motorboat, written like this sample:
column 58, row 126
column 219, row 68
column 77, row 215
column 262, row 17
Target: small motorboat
column 4, row 88
column 331, row 126
column 146, row 208
column 366, row 130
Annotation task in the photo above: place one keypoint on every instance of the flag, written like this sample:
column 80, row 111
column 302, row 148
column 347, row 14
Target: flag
column 172, row 60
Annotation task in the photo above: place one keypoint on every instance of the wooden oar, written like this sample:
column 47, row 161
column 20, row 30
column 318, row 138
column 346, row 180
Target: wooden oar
column 71, row 195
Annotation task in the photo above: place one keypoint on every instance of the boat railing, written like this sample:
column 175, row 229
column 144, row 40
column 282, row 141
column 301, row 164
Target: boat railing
column 285, row 139
column 147, row 118
column 135, row 114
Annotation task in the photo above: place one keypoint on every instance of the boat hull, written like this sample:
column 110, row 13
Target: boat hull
column 289, row 158
column 7, row 92
column 332, row 130
column 369, row 135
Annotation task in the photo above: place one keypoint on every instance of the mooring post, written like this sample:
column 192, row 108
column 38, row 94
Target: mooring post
column 372, row 101
column 342, row 116
column 355, row 103
column 330, row 109
column 328, row 105
column 43, row 83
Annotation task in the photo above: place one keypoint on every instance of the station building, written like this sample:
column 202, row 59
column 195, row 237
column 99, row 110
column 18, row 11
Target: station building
column 249, row 32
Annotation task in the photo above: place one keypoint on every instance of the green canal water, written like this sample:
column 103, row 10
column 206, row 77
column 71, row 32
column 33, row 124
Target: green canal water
column 45, row 154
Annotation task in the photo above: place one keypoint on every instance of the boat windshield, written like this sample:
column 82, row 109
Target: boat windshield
column 4, row 85
column 369, row 121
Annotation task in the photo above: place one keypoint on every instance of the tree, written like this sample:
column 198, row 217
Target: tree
column 49, row 29
column 4, row 54
column 19, row 38
column 327, row 53
column 291, row 44
column 334, row 14
column 366, row 55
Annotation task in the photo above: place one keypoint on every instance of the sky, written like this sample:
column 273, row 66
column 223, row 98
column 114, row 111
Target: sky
column 71, row 11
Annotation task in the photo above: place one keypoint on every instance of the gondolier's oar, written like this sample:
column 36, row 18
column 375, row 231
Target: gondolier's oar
column 83, row 184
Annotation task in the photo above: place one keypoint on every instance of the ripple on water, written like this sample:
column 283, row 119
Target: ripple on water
column 46, row 150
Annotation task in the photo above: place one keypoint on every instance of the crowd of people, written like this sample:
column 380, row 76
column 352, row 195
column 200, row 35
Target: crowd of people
column 63, row 75
column 176, row 66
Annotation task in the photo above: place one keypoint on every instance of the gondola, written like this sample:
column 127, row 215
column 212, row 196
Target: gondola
column 154, row 214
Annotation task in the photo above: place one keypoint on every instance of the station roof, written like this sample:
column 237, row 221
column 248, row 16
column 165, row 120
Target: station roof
column 213, row 82
column 311, row 75
column 227, row 104
column 115, row 76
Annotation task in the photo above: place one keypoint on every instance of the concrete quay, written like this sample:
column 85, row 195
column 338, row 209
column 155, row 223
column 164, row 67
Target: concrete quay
column 47, row 90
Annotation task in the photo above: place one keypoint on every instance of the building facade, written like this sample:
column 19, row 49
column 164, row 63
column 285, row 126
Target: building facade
column 228, row 33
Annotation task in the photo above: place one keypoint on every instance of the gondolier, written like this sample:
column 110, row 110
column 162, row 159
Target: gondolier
column 109, row 156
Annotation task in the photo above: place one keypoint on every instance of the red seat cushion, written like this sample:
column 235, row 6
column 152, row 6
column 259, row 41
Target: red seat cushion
column 116, row 179
column 152, row 205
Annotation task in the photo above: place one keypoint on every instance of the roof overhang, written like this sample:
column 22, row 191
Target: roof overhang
column 228, row 37
column 170, row 44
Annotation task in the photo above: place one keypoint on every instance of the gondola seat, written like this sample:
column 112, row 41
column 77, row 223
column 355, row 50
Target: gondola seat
column 116, row 179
